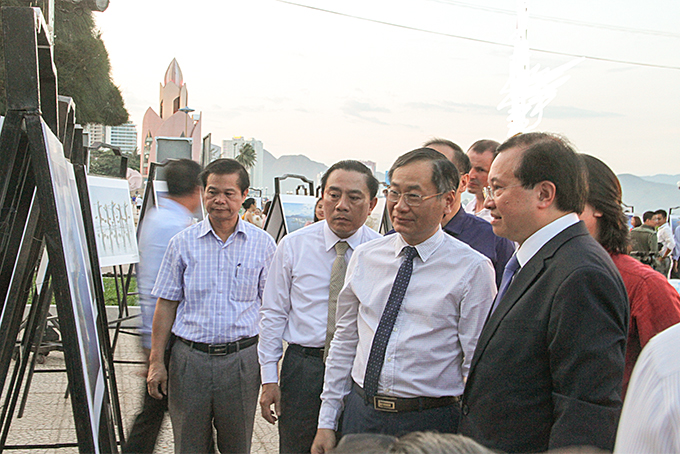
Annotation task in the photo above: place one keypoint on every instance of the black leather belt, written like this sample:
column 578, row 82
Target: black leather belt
column 399, row 405
column 221, row 349
column 307, row 351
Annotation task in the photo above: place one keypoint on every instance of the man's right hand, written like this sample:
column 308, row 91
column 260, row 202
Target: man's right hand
column 271, row 394
column 324, row 441
column 158, row 377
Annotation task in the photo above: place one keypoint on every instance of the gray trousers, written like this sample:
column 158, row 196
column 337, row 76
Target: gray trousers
column 206, row 390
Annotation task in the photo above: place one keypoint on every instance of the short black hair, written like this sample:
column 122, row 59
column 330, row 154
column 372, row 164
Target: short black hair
column 604, row 195
column 484, row 145
column 460, row 159
column 226, row 166
column 444, row 173
column 647, row 215
column 351, row 165
column 248, row 202
column 182, row 177
column 662, row 213
column 549, row 157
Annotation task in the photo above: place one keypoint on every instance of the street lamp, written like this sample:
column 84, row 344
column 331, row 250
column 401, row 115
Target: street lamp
column 187, row 110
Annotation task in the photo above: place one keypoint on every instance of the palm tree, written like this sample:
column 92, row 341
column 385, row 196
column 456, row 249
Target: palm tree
column 247, row 156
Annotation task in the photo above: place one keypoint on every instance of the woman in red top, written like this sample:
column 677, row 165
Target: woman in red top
column 654, row 303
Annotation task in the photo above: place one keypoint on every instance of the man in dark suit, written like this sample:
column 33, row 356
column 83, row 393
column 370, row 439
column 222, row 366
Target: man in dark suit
column 547, row 369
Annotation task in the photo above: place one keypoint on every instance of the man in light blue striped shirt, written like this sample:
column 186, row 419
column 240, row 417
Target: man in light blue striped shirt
column 209, row 291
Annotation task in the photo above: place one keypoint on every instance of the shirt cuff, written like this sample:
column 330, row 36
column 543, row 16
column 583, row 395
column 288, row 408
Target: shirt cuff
column 328, row 416
column 270, row 373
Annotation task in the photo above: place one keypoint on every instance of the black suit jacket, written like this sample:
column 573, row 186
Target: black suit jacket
column 548, row 365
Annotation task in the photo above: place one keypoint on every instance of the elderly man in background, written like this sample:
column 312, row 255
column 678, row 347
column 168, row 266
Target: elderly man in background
column 468, row 228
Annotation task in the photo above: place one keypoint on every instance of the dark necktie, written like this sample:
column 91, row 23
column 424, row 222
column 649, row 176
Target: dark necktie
column 337, row 280
column 386, row 325
column 510, row 269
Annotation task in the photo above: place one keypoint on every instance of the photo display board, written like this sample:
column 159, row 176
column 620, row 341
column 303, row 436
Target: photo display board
column 289, row 213
column 80, row 276
column 113, row 220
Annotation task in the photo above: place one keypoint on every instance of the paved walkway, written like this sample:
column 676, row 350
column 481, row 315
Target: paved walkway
column 48, row 417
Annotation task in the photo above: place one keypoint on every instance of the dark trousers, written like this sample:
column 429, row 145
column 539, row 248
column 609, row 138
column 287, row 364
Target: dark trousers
column 301, row 386
column 362, row 418
column 144, row 432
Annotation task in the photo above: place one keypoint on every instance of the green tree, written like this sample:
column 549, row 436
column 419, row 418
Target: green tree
column 108, row 164
column 247, row 156
column 82, row 62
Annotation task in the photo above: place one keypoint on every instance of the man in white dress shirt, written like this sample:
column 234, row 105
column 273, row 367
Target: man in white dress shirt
column 295, row 305
column 403, row 345
column 650, row 420
column 481, row 154
column 665, row 237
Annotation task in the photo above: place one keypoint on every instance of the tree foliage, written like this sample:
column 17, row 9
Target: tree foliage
column 247, row 156
column 82, row 62
column 108, row 164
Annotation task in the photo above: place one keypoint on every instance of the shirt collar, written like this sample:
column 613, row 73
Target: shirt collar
column 455, row 224
column 331, row 238
column 206, row 227
column 536, row 241
column 425, row 249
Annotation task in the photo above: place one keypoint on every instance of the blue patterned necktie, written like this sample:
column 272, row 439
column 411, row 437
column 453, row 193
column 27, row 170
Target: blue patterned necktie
column 510, row 269
column 386, row 325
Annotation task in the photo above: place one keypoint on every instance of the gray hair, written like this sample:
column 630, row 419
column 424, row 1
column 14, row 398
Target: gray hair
column 444, row 173
column 436, row 443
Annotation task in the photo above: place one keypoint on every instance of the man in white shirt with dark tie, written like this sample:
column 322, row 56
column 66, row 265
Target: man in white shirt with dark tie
column 409, row 315
column 305, row 278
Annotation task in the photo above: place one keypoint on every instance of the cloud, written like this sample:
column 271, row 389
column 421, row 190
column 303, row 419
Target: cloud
column 358, row 109
column 456, row 107
column 564, row 112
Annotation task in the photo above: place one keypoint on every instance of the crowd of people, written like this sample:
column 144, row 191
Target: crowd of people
column 517, row 323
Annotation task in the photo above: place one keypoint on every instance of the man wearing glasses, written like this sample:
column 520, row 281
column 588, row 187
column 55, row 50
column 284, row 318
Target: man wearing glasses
column 409, row 315
column 299, row 302
column 548, row 366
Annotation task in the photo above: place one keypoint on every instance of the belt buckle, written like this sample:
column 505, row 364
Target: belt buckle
column 217, row 349
column 383, row 403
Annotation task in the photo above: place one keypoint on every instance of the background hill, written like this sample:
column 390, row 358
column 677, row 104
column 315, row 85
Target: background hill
column 291, row 164
column 643, row 193
column 650, row 192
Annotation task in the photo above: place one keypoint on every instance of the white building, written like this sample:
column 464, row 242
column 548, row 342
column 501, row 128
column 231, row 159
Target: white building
column 123, row 136
column 231, row 149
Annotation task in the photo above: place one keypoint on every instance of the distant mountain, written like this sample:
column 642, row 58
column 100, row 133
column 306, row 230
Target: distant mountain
column 661, row 178
column 650, row 193
column 642, row 192
column 290, row 164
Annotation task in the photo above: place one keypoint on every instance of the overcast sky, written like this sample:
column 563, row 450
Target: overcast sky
column 332, row 87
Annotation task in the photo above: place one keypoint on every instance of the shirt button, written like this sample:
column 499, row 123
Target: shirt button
column 387, row 390
column 466, row 409
column 394, row 329
column 389, row 360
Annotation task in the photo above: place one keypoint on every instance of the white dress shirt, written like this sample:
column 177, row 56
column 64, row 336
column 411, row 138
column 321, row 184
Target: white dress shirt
column 295, row 300
column 650, row 419
column 484, row 213
column 665, row 237
column 436, row 331
column 536, row 241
